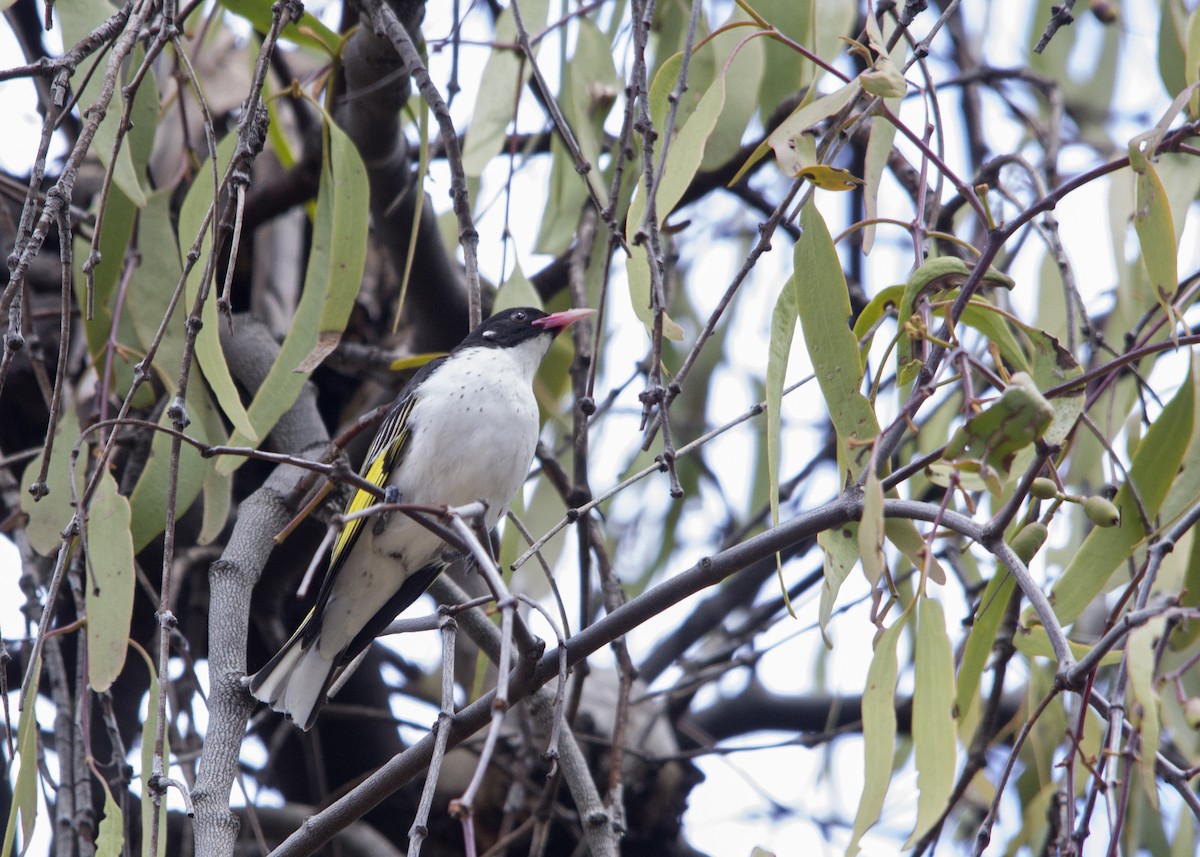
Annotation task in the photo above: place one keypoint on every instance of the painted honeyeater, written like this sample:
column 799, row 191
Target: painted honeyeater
column 463, row 429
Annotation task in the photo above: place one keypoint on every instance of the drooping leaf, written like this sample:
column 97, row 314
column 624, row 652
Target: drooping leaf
column 933, row 716
column 637, row 272
column 208, row 341
column 987, row 618
column 150, row 289
column 110, row 584
column 783, row 328
column 742, row 76
column 1034, row 642
column 824, row 307
column 111, row 341
column 565, row 197
column 841, row 553
column 1156, row 233
column 1192, row 61
column 1154, row 469
column 870, row 530
column 992, row 438
column 879, row 733
column 505, row 75
column 25, row 783
column 1144, row 702
column 879, row 147
column 331, row 283
column 149, row 730
column 939, row 274
column 339, row 251
column 903, row 533
column 817, row 25
column 516, row 291
column 1172, row 24
column 49, row 516
column 111, row 838
column 78, row 20
column 784, row 140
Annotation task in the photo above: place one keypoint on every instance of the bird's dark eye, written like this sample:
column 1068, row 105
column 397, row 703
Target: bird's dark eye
column 519, row 316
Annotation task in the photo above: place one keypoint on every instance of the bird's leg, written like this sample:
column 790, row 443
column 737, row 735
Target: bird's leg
column 391, row 496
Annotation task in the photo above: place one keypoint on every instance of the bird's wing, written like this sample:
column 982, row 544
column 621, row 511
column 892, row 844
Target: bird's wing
column 385, row 455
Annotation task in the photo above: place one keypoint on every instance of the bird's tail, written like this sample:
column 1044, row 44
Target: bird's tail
column 294, row 682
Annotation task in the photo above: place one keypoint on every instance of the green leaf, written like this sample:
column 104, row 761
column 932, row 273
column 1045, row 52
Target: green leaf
column 24, row 790
column 504, row 77
column 1144, row 701
column 988, row 320
column 110, row 584
column 339, row 250
column 516, row 291
column 743, row 75
column 308, row 32
column 565, row 199
column 816, row 25
column 1172, row 24
column 1052, row 365
column 1192, row 63
column 637, row 272
column 872, row 313
column 991, row 441
column 824, row 307
column 841, row 554
column 783, row 140
column 111, row 838
column 933, row 716
column 1156, row 233
column 870, row 531
column 783, row 328
column 149, row 730
column 208, row 341
column 879, row 147
column 120, row 215
column 149, row 298
column 879, row 733
column 151, row 286
column 903, row 533
column 683, row 156
column 1154, row 469
column 978, row 648
column 940, row 274
column 687, row 151
column 79, row 19
column 1185, row 489
column 591, row 88
column 149, row 497
column 331, row 283
column 1034, row 642
column 49, row 516
column 884, row 79
column 683, row 160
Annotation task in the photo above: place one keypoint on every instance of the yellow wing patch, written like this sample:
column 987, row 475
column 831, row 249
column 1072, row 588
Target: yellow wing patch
column 381, row 460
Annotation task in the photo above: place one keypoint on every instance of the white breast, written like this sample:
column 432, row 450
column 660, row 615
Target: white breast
column 474, row 429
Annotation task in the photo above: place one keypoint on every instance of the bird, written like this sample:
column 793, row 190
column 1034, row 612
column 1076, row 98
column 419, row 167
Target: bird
column 463, row 429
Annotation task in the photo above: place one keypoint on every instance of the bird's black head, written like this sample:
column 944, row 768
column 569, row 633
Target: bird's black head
column 513, row 326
